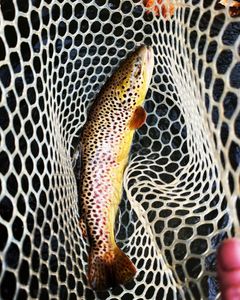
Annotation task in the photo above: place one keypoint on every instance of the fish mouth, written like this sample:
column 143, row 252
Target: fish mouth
column 147, row 57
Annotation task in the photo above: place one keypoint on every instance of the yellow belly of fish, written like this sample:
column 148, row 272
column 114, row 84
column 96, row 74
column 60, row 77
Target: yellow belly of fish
column 117, row 179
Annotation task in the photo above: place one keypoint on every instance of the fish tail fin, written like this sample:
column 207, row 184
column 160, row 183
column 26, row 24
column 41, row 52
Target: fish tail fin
column 109, row 269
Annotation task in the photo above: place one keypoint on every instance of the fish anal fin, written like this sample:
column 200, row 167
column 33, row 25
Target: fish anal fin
column 109, row 269
column 138, row 118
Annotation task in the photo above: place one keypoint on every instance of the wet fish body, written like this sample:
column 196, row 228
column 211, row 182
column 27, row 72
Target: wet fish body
column 105, row 142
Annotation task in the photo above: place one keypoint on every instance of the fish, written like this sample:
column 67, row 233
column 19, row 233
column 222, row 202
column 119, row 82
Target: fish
column 228, row 268
column 234, row 7
column 230, row 3
column 105, row 144
column 167, row 9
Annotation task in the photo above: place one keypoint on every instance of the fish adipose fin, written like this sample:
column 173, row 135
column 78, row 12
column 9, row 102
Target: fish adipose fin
column 138, row 118
column 109, row 269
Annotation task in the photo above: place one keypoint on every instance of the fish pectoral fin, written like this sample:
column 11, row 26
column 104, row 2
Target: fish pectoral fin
column 77, row 161
column 138, row 118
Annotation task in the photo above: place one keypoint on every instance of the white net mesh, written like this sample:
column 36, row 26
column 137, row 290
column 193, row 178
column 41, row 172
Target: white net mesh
column 182, row 181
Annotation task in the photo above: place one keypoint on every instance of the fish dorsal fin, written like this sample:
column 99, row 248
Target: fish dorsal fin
column 138, row 118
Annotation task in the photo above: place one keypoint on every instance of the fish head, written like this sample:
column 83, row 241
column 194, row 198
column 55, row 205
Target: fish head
column 132, row 79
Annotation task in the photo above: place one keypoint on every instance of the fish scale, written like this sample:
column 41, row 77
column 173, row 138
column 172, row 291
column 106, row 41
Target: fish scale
column 106, row 141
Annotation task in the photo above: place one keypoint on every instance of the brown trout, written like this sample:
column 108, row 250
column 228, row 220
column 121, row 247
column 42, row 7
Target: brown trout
column 106, row 141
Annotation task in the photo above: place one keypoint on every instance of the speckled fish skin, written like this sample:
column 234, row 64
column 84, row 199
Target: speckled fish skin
column 106, row 141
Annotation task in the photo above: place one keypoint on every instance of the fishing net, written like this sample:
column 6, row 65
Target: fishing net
column 182, row 181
